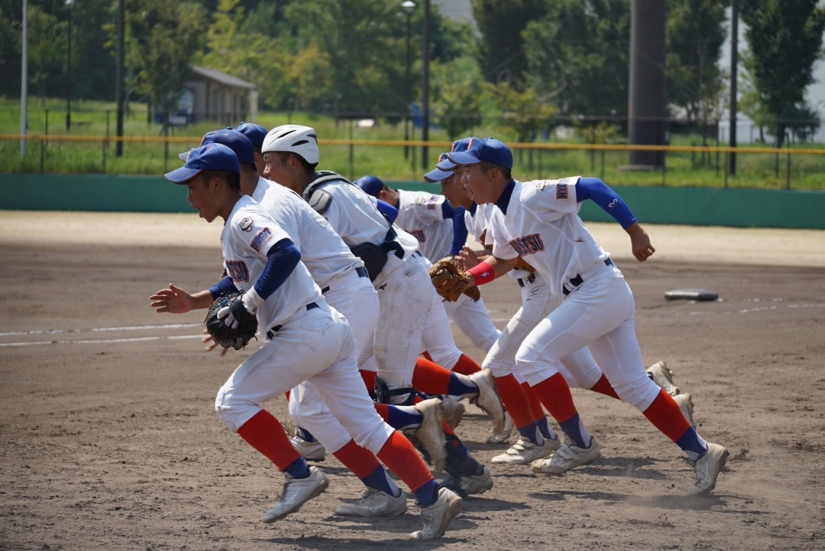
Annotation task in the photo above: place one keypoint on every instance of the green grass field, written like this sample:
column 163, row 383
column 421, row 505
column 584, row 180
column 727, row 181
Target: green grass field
column 763, row 171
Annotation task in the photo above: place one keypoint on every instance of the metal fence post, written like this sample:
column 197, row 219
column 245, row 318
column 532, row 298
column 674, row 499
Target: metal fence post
column 41, row 154
column 727, row 160
column 788, row 183
column 602, row 164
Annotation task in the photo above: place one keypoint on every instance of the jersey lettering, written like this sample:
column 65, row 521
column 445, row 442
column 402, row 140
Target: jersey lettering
column 237, row 270
column 260, row 240
column 561, row 191
column 420, row 235
column 529, row 244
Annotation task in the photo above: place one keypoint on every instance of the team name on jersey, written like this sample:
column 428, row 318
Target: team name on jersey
column 420, row 235
column 237, row 270
column 263, row 236
column 529, row 244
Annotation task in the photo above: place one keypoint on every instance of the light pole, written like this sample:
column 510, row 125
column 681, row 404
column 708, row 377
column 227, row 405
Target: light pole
column 409, row 7
column 425, row 95
column 69, row 4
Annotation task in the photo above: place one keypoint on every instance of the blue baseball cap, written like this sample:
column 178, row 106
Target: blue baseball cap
column 255, row 132
column 442, row 170
column 461, row 145
column 371, row 185
column 232, row 139
column 212, row 156
column 490, row 151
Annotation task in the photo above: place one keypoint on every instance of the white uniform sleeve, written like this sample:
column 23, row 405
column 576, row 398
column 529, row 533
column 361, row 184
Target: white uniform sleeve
column 552, row 199
column 258, row 238
column 428, row 207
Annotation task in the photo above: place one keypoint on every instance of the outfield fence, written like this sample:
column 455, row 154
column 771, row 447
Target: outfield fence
column 691, row 166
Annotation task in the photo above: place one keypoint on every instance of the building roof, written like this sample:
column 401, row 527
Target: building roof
column 223, row 78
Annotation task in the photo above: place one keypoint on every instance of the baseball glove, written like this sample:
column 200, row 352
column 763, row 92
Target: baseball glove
column 450, row 281
column 229, row 322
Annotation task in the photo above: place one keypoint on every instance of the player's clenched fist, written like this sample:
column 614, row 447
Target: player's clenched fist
column 640, row 242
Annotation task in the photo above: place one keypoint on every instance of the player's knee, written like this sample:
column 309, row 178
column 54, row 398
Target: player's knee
column 232, row 412
column 498, row 369
column 445, row 356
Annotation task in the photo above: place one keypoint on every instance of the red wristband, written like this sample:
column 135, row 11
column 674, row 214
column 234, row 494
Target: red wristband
column 483, row 273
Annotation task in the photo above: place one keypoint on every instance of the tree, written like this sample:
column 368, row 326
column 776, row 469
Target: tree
column 784, row 39
column 456, row 95
column 251, row 56
column 695, row 34
column 523, row 113
column 501, row 48
column 578, row 53
column 163, row 38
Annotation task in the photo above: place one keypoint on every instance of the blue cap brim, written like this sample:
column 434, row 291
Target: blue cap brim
column 438, row 175
column 446, row 164
column 182, row 175
column 463, row 158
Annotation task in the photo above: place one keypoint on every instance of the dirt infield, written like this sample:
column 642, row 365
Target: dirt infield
column 108, row 436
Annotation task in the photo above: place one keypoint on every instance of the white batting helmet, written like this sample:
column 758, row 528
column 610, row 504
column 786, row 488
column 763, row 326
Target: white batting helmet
column 301, row 140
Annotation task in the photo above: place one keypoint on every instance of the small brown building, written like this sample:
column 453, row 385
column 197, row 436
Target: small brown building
column 215, row 96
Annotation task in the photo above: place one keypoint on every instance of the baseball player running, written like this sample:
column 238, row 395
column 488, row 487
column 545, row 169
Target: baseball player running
column 345, row 284
column 441, row 232
column 397, row 271
column 579, row 368
column 539, row 220
column 304, row 338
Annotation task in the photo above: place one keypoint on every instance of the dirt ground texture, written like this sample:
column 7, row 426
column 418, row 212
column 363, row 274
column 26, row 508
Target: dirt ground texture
column 109, row 440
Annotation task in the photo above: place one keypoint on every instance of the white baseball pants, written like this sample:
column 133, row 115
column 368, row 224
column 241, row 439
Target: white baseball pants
column 598, row 314
column 315, row 345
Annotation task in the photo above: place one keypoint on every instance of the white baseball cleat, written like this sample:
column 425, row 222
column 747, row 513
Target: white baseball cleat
column 438, row 515
column 525, row 452
column 488, row 399
column 567, row 457
column 374, row 503
column 311, row 451
column 685, row 403
column 297, row 491
column 498, row 438
column 431, row 432
column 470, row 484
column 453, row 410
column 707, row 469
column 663, row 377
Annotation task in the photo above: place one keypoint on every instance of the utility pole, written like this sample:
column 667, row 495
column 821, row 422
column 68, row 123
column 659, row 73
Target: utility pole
column 69, row 4
column 120, row 92
column 408, row 10
column 24, row 81
column 646, row 109
column 425, row 97
column 734, row 61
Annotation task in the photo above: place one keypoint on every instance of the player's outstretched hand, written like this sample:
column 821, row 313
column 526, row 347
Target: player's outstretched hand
column 468, row 258
column 173, row 300
column 640, row 242
column 211, row 344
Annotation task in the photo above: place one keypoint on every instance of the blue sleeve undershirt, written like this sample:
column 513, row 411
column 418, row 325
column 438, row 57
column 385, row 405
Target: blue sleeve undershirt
column 388, row 210
column 459, row 231
column 223, row 287
column 283, row 257
column 601, row 194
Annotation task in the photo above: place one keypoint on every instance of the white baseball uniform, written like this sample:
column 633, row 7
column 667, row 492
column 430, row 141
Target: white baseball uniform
column 421, row 215
column 403, row 285
column 344, row 283
column 304, row 338
column 539, row 221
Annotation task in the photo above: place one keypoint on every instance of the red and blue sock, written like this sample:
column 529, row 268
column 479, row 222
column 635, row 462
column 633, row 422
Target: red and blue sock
column 666, row 416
